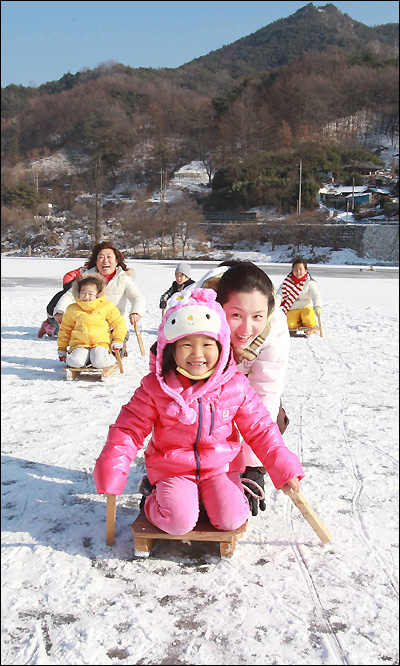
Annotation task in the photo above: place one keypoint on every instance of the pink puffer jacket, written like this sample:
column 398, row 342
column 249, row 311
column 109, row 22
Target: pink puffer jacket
column 205, row 448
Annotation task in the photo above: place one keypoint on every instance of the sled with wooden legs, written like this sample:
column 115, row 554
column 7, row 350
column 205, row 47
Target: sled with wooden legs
column 146, row 533
column 305, row 331
column 99, row 373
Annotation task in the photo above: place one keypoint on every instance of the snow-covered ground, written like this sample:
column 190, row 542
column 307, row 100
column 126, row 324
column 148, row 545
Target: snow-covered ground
column 283, row 598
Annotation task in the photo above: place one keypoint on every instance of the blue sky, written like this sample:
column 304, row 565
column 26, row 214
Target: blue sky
column 42, row 41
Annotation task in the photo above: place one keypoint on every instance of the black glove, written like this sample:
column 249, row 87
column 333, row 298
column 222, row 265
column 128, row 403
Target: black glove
column 257, row 475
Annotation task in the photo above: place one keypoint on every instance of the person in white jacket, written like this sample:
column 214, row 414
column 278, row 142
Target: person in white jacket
column 108, row 261
column 260, row 341
column 299, row 298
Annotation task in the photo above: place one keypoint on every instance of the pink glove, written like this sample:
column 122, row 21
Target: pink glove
column 62, row 356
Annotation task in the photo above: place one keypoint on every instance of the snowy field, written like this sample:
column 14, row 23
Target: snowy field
column 284, row 597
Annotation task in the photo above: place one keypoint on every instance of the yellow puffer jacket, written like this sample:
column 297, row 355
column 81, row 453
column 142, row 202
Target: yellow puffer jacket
column 87, row 324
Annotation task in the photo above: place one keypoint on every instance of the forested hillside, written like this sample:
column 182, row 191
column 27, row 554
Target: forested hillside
column 308, row 86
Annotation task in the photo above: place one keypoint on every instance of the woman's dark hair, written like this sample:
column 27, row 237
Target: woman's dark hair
column 299, row 260
column 106, row 245
column 245, row 277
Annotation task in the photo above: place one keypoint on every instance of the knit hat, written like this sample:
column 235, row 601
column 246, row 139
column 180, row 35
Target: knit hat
column 211, row 279
column 184, row 268
column 192, row 311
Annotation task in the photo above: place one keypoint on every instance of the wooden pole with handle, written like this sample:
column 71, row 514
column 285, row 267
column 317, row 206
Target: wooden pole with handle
column 311, row 517
column 139, row 339
column 110, row 519
column 118, row 357
column 320, row 325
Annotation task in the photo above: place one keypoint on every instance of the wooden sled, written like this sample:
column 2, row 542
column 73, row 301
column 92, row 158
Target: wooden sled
column 146, row 533
column 100, row 373
column 301, row 331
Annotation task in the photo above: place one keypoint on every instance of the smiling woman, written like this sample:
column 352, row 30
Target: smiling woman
column 108, row 261
column 261, row 342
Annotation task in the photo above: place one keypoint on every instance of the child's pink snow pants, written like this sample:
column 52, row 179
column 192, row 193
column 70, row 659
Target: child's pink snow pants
column 174, row 504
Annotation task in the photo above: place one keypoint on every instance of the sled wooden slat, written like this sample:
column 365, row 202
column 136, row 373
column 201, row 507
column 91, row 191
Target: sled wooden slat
column 146, row 533
column 119, row 362
column 310, row 516
column 110, row 519
column 319, row 325
column 101, row 372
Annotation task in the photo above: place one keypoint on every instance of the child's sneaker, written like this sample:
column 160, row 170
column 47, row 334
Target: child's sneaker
column 50, row 329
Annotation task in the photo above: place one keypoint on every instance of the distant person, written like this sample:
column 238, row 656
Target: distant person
column 182, row 280
column 92, row 327
column 299, row 298
column 107, row 260
column 191, row 405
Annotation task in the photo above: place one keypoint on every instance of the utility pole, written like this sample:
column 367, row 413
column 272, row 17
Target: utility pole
column 162, row 210
column 300, row 169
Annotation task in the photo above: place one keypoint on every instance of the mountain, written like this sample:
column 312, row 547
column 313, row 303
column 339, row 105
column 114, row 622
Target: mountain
column 291, row 82
column 309, row 29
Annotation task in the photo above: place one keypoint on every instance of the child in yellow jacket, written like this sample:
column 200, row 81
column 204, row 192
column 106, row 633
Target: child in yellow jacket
column 92, row 327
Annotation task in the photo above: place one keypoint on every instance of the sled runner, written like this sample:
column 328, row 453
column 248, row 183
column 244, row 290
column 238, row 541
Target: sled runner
column 146, row 533
column 102, row 373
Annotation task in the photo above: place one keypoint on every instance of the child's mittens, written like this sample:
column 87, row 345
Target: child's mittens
column 318, row 310
column 62, row 356
column 257, row 475
column 111, row 471
column 116, row 346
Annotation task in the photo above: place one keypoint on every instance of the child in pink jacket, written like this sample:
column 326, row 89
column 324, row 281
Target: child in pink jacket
column 193, row 405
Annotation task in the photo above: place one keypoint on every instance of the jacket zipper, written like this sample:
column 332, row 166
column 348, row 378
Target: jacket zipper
column 199, row 429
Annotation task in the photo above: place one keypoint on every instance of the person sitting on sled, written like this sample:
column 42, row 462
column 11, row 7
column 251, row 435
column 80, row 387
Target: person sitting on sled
column 260, row 341
column 182, row 280
column 193, row 404
column 85, row 337
column 299, row 297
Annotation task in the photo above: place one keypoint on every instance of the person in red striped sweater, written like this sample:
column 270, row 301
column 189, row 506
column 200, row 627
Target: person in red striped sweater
column 299, row 297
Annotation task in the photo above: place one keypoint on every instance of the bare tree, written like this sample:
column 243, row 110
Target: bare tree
column 188, row 227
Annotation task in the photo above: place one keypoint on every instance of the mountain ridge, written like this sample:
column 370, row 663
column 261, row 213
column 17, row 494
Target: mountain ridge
column 309, row 18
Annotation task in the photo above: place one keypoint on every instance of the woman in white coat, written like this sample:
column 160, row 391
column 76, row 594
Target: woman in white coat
column 260, row 341
column 108, row 261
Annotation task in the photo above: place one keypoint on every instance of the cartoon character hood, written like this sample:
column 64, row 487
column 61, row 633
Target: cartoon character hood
column 193, row 311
